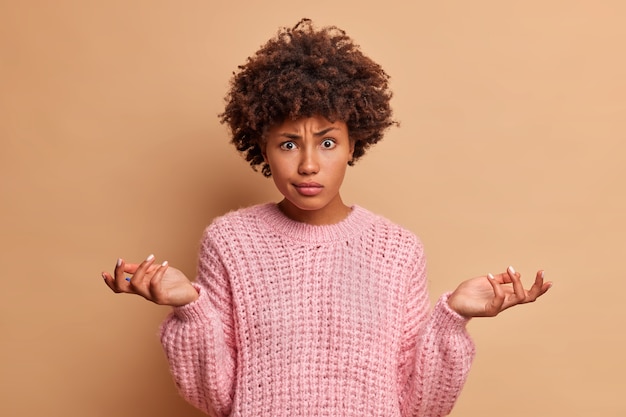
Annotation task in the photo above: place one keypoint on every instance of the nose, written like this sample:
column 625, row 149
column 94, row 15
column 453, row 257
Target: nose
column 309, row 164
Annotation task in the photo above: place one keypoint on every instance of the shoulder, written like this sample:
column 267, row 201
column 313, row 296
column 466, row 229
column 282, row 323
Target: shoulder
column 394, row 236
column 397, row 249
column 242, row 215
column 236, row 222
column 394, row 230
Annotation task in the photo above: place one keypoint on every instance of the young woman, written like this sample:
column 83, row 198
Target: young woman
column 310, row 306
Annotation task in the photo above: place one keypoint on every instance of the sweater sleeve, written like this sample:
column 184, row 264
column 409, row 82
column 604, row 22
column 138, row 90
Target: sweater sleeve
column 199, row 339
column 436, row 352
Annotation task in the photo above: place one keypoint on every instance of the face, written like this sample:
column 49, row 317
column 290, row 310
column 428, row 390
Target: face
column 308, row 158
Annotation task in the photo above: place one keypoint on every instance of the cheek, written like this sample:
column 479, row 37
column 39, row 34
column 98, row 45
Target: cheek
column 279, row 164
column 338, row 170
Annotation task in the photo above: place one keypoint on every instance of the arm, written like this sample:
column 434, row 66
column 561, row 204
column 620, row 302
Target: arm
column 444, row 349
column 199, row 340
column 436, row 354
column 198, row 335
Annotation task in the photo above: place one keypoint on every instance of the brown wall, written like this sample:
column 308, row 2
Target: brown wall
column 511, row 151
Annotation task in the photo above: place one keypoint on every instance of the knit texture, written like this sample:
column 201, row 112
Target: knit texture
column 301, row 320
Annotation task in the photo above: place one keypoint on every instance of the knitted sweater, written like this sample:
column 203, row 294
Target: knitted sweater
column 294, row 319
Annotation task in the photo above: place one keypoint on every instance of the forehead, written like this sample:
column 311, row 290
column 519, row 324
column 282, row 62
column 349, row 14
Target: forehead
column 311, row 124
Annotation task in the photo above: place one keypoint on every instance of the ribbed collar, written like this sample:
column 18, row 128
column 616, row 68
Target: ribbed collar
column 355, row 223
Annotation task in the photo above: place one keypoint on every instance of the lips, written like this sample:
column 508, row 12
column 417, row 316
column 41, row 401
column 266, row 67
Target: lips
column 309, row 188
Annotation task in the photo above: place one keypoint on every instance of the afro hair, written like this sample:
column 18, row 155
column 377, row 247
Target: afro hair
column 303, row 72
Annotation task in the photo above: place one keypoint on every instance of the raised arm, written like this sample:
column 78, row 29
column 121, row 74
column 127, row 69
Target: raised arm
column 199, row 339
column 444, row 350
column 198, row 336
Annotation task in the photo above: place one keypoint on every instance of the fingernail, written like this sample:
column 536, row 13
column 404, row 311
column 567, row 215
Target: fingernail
column 119, row 261
column 541, row 274
column 164, row 263
column 128, row 279
column 104, row 276
column 491, row 276
column 150, row 257
column 511, row 270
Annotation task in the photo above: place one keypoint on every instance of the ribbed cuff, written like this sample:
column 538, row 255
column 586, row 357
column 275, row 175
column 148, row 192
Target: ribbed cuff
column 447, row 318
column 198, row 310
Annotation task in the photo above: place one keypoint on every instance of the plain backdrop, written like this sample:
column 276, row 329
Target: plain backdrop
column 511, row 150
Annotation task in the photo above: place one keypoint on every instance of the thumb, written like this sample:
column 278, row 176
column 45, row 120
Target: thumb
column 497, row 301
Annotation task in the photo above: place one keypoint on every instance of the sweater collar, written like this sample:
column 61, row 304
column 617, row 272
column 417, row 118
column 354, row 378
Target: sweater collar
column 355, row 223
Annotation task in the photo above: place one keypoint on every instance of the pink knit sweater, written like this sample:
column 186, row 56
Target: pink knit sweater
column 302, row 320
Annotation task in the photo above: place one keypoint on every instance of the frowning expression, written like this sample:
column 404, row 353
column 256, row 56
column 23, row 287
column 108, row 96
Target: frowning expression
column 308, row 159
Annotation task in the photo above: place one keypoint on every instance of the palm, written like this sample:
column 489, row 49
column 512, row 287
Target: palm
column 475, row 296
column 173, row 289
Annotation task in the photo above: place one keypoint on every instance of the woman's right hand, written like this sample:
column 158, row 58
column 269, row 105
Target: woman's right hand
column 161, row 284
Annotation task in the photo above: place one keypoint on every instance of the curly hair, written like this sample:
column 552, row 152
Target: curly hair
column 303, row 72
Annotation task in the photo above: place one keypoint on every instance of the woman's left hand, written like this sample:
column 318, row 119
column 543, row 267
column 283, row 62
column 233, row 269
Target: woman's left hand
column 487, row 296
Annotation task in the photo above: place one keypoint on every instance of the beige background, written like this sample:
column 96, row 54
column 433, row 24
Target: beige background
column 511, row 151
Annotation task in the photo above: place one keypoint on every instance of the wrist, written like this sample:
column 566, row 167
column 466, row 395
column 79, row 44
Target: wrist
column 454, row 305
column 185, row 297
column 446, row 314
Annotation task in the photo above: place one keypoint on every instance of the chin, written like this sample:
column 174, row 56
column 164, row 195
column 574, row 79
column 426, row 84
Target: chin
column 307, row 204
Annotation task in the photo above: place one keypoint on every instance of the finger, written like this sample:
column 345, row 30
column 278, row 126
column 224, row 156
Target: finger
column 496, row 303
column 537, row 288
column 137, row 282
column 518, row 288
column 546, row 286
column 119, row 267
column 143, row 267
column 119, row 282
column 502, row 278
column 155, row 283
column 109, row 281
column 132, row 268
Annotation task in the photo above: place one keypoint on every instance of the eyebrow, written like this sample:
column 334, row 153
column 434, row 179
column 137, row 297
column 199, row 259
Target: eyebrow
column 320, row 133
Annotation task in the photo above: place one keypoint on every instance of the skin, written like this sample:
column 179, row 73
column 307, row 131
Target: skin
column 161, row 284
column 308, row 158
column 488, row 296
column 310, row 151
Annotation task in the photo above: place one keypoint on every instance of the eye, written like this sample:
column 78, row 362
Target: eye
column 287, row 146
column 328, row 144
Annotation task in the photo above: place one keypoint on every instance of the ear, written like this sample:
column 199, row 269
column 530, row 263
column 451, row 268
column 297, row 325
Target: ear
column 352, row 142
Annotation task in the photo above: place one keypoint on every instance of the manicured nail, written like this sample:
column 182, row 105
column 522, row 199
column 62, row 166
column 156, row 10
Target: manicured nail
column 150, row 257
column 491, row 276
column 104, row 276
column 511, row 270
column 119, row 261
column 128, row 279
column 164, row 263
column 541, row 274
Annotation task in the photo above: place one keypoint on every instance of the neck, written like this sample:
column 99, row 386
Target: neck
column 334, row 212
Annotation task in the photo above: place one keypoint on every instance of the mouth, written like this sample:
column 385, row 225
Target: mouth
column 309, row 188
